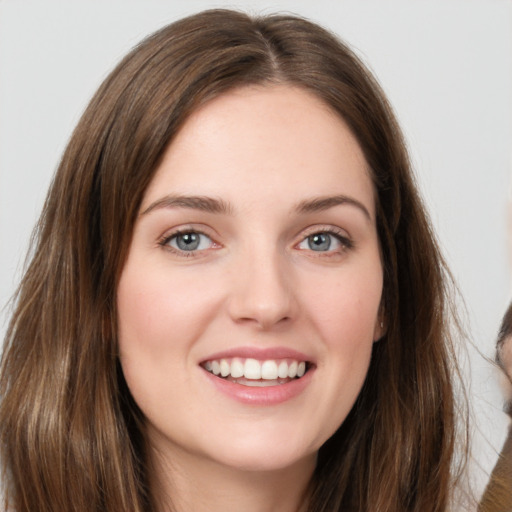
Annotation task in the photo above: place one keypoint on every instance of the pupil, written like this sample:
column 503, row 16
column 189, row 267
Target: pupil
column 319, row 242
column 188, row 241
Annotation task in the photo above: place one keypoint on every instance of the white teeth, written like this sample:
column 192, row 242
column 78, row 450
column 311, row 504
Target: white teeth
column 282, row 371
column 254, row 370
column 260, row 383
column 292, row 370
column 269, row 370
column 237, row 368
column 225, row 368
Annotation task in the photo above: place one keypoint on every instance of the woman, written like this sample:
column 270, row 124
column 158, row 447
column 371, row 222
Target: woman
column 235, row 292
column 498, row 494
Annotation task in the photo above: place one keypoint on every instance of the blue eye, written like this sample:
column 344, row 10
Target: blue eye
column 319, row 242
column 324, row 241
column 189, row 242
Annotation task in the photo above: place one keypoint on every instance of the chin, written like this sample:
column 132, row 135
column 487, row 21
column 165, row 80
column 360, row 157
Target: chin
column 268, row 463
column 270, row 457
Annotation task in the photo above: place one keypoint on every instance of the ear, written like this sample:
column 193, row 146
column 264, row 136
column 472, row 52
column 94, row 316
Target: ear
column 381, row 327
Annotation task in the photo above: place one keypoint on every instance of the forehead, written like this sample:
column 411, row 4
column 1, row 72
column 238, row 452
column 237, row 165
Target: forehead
column 279, row 140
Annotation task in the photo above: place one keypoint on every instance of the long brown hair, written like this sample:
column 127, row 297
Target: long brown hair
column 71, row 437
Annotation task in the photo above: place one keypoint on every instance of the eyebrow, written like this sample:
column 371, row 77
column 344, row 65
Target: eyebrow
column 217, row 205
column 319, row 204
column 203, row 203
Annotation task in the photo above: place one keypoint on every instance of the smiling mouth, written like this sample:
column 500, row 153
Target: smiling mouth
column 251, row 372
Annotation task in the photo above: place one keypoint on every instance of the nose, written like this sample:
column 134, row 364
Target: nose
column 262, row 291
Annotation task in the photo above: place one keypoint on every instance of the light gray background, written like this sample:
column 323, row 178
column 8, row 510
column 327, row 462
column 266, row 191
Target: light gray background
column 446, row 65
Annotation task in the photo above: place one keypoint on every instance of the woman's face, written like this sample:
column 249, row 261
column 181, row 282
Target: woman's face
column 504, row 352
column 255, row 254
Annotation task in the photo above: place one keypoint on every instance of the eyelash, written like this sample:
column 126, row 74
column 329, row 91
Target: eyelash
column 166, row 239
column 339, row 235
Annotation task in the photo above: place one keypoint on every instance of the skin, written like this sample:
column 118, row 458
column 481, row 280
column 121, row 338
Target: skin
column 254, row 282
column 504, row 356
column 498, row 493
column 506, row 359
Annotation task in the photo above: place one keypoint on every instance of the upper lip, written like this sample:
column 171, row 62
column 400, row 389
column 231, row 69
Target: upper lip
column 260, row 354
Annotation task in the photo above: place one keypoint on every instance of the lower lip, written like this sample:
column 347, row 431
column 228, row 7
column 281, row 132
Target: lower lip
column 271, row 395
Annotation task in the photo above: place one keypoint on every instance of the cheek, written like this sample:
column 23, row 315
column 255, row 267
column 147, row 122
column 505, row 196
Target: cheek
column 156, row 309
column 345, row 315
column 160, row 317
column 506, row 355
column 345, row 307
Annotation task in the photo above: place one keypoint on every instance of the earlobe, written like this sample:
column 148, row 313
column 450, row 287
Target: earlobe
column 380, row 329
column 381, row 324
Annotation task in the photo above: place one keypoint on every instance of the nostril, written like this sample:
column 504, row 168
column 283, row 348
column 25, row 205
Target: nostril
column 262, row 294
column 264, row 322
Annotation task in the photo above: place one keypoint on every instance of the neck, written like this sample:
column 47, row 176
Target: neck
column 185, row 484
